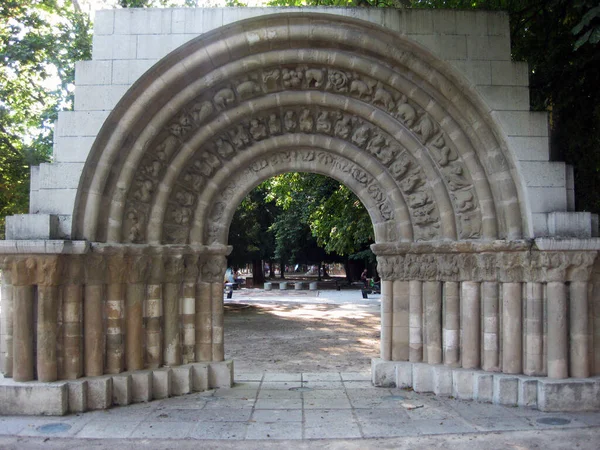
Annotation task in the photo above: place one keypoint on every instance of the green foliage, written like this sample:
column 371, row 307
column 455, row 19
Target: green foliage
column 317, row 207
column 250, row 233
column 40, row 41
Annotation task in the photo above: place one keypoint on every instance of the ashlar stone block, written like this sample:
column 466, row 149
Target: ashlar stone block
column 99, row 392
column 161, row 383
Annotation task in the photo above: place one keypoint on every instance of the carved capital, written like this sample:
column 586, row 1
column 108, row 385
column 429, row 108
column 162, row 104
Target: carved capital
column 138, row 268
column 95, row 269
column 212, row 268
column 173, row 268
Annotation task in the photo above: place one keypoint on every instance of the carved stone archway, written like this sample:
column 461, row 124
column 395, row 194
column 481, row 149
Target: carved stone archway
column 462, row 288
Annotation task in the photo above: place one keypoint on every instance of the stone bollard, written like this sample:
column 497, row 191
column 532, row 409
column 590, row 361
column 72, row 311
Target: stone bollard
column 283, row 286
column 299, row 286
column 312, row 286
column 268, row 286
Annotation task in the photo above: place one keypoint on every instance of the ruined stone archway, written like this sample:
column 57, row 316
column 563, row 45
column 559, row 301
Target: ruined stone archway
column 326, row 94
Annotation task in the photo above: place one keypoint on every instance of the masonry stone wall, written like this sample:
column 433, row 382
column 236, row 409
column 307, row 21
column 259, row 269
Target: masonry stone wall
column 129, row 42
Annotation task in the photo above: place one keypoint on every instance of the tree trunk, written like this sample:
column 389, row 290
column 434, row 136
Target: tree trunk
column 258, row 275
column 282, row 269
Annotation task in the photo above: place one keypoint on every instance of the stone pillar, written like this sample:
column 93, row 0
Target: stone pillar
column 115, row 315
column 23, row 275
column 400, row 321
column 512, row 294
column 172, row 288
column 578, row 318
column 491, row 361
column 73, row 332
column 470, row 321
column 188, row 302
column 6, row 336
column 217, row 311
column 557, row 331
column 386, row 319
column 47, row 324
column 203, row 322
column 432, row 299
column 416, row 321
column 451, row 324
column 93, row 312
column 137, row 270
column 153, row 311
column 23, row 332
column 533, row 330
column 595, row 315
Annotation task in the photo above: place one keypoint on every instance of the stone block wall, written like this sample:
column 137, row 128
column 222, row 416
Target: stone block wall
column 127, row 43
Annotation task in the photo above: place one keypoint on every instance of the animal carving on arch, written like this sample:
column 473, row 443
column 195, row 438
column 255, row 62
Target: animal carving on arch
column 314, row 77
column 223, row 98
column 383, row 98
column 406, row 113
column 247, row 89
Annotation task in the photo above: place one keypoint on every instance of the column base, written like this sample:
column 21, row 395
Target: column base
column 545, row 394
column 54, row 399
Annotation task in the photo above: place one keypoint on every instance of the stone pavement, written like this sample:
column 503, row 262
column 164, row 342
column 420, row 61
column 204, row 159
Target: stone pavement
column 298, row 407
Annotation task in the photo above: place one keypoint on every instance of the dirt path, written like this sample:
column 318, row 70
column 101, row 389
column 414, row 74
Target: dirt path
column 293, row 337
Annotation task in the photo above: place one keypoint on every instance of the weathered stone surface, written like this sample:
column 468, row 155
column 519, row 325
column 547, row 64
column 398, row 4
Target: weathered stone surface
column 568, row 395
column 48, row 399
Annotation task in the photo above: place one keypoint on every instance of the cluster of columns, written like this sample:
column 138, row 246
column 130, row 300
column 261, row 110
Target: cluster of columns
column 531, row 328
column 110, row 311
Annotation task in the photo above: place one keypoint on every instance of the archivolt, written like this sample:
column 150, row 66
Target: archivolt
column 294, row 92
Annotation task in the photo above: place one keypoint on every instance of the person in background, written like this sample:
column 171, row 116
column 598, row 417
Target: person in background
column 363, row 278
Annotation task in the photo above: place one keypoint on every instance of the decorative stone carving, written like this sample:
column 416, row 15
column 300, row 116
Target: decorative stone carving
column 224, row 98
column 212, row 268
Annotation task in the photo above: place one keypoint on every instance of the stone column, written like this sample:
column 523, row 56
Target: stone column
column 512, row 328
column 203, row 322
column 432, row 299
column 93, row 312
column 73, row 332
column 578, row 318
column 6, row 343
column 172, row 288
column 137, row 271
column 451, row 324
column 23, row 276
column 416, row 320
column 470, row 321
column 557, row 331
column 217, row 311
column 387, row 306
column 115, row 314
column 153, row 311
column 534, row 328
column 47, row 325
column 400, row 321
column 188, row 302
column 491, row 361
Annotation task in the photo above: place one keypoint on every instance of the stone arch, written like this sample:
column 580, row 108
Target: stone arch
column 435, row 161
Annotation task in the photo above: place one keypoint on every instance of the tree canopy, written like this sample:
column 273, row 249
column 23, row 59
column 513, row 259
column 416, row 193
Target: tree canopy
column 40, row 41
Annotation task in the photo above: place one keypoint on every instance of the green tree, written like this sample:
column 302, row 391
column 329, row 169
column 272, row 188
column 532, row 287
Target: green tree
column 40, row 41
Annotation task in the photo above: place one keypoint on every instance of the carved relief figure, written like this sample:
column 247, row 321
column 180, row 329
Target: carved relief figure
column 201, row 111
column 406, row 113
column 464, row 200
column 223, row 98
column 383, row 98
column 144, row 191
column 224, row 149
column 306, row 121
column 239, row 137
column 247, row 89
column 360, row 89
column 360, row 135
column 314, row 78
column 292, row 78
column 343, row 127
column 455, row 177
column 289, row 121
column 338, row 81
column 185, row 198
column 257, row 130
column 425, row 128
column 274, row 124
column 271, row 78
column 323, row 122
